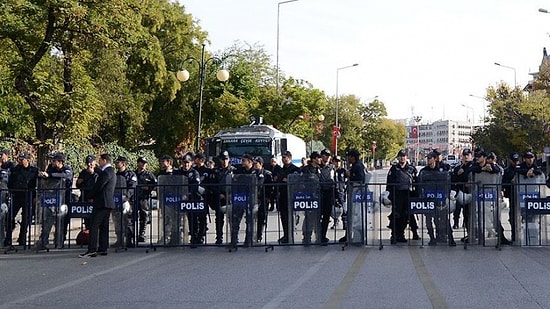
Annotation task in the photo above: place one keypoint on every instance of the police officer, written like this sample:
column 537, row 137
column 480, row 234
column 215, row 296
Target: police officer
column 340, row 174
column 441, row 165
column 275, row 170
column 57, row 169
column 5, row 166
column 206, row 179
column 282, row 178
column 121, row 220
column 439, row 218
column 356, row 176
column 246, row 168
column 195, row 217
column 169, row 214
column 22, row 185
column 86, row 181
column 265, row 179
column 311, row 220
column 146, row 183
column 220, row 178
column 459, row 179
column 329, row 197
column 509, row 191
column 400, row 183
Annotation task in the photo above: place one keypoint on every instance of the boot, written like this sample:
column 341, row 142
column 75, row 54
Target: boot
column 452, row 242
column 433, row 241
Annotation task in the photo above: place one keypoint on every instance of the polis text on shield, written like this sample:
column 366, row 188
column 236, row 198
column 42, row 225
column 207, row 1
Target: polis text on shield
column 192, row 206
column 306, row 205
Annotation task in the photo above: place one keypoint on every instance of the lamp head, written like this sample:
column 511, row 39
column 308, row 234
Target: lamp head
column 182, row 75
column 222, row 75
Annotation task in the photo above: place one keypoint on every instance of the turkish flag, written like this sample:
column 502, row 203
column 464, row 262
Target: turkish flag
column 414, row 132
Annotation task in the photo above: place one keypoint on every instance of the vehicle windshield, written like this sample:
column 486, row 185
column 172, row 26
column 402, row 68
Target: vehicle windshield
column 252, row 146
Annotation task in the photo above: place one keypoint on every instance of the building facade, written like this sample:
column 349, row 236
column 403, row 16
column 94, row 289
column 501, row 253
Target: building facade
column 448, row 136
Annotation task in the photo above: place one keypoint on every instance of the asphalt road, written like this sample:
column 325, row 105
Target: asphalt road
column 398, row 276
column 287, row 277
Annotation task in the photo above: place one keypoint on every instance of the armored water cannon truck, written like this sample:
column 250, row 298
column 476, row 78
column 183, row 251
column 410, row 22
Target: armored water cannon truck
column 256, row 139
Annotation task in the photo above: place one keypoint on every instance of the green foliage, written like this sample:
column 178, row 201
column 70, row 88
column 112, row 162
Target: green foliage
column 517, row 122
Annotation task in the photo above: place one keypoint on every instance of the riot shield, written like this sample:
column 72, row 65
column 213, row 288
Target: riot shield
column 52, row 210
column 304, row 202
column 433, row 203
column 172, row 191
column 485, row 211
column 531, row 218
column 4, row 204
column 361, row 223
column 244, row 202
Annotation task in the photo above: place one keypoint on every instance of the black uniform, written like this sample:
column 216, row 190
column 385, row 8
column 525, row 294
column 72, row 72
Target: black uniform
column 327, row 179
column 460, row 183
column 146, row 182
column 205, row 174
column 127, row 223
column 265, row 178
column 194, row 218
column 238, row 212
column 22, row 185
column 218, row 197
column 4, row 198
column 509, row 192
column 282, row 199
column 65, row 174
column 400, row 184
column 272, row 199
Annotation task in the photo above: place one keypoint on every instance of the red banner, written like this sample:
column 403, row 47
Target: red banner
column 414, row 132
column 335, row 136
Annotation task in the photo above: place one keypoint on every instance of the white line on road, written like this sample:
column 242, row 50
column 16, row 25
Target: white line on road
column 77, row 282
column 279, row 299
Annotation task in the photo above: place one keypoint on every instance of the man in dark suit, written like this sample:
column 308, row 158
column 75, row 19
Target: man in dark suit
column 103, row 202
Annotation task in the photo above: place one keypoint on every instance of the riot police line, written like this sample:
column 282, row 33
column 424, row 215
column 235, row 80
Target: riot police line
column 181, row 214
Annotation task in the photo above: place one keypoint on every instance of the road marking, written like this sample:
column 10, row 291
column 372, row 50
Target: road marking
column 79, row 281
column 284, row 295
column 435, row 296
column 335, row 300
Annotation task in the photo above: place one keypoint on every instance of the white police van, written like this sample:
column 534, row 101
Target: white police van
column 256, row 139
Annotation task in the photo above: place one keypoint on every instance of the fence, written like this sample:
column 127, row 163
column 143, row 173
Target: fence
column 306, row 212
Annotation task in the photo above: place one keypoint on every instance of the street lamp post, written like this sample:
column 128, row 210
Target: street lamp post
column 484, row 106
column 473, row 114
column 511, row 68
column 183, row 75
column 336, row 126
column 277, row 61
column 417, row 120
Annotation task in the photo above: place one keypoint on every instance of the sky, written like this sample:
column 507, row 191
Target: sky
column 430, row 58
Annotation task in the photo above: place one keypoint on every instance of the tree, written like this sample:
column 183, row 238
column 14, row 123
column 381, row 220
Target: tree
column 521, row 119
column 50, row 43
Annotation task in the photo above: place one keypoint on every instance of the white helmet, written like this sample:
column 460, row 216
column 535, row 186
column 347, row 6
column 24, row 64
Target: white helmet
column 63, row 209
column 452, row 195
column 502, row 203
column 464, row 198
column 126, row 209
column 3, row 209
column 384, row 199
